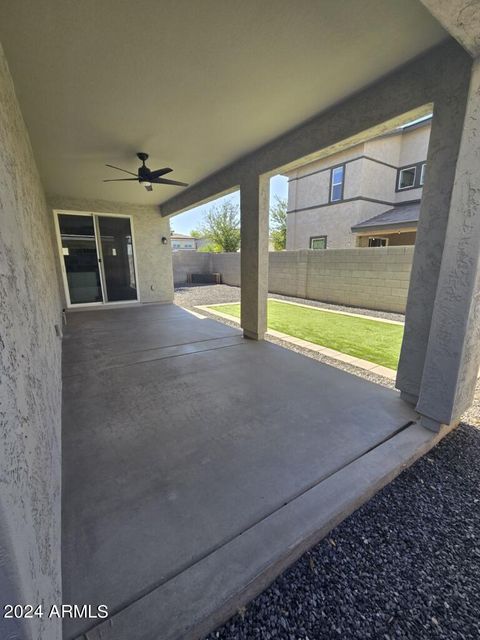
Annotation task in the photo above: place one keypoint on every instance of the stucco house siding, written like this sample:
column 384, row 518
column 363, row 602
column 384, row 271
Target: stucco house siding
column 371, row 173
column 153, row 259
column 30, row 389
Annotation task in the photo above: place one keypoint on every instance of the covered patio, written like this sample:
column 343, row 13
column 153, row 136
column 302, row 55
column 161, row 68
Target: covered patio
column 159, row 463
column 197, row 464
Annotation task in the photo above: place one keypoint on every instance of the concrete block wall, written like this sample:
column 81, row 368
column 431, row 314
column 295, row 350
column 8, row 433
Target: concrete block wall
column 372, row 278
column 288, row 273
column 228, row 264
column 376, row 278
column 185, row 262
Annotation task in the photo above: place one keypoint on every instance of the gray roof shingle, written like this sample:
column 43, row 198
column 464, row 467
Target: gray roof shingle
column 403, row 215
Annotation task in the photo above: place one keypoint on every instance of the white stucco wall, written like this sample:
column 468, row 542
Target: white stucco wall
column 154, row 260
column 30, row 383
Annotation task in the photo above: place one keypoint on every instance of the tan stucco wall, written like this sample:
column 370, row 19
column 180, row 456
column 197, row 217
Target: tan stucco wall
column 414, row 145
column 364, row 178
column 385, row 148
column 30, row 383
column 378, row 181
column 394, row 239
column 402, row 239
column 328, row 161
column 334, row 221
column 154, row 260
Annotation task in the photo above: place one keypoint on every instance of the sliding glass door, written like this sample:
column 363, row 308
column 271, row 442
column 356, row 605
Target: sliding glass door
column 98, row 258
column 82, row 266
column 117, row 258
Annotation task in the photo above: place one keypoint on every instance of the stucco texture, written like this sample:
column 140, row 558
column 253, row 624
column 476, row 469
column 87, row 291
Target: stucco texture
column 154, row 259
column 30, row 382
column 369, row 188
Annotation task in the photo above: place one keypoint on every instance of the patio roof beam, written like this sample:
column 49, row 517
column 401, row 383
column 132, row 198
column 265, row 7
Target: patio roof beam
column 461, row 18
column 403, row 95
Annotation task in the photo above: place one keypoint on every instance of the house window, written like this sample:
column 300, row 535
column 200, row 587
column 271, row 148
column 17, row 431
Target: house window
column 377, row 242
column 318, row 242
column 406, row 178
column 336, row 183
column 422, row 174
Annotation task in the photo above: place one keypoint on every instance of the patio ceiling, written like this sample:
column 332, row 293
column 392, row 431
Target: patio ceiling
column 194, row 84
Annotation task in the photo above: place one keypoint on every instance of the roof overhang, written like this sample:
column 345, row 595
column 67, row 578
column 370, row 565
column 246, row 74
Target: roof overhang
column 387, row 230
column 403, row 216
column 196, row 85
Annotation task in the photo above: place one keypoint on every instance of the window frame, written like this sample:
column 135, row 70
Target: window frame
column 410, row 186
column 422, row 174
column 312, row 238
column 334, row 184
column 377, row 238
column 417, row 183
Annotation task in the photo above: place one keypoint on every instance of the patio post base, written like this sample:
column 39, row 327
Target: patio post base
column 436, row 426
column 252, row 335
column 409, row 398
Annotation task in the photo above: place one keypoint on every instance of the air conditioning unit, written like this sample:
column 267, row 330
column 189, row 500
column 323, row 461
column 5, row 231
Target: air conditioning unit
column 204, row 278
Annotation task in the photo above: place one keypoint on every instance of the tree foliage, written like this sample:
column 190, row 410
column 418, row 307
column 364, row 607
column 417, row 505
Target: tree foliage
column 278, row 224
column 222, row 227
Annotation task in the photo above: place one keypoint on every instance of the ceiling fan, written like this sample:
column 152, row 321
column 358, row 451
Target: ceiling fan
column 146, row 177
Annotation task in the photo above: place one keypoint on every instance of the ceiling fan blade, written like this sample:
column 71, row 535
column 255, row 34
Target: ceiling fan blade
column 121, row 180
column 174, row 182
column 159, row 172
column 148, row 187
column 118, row 168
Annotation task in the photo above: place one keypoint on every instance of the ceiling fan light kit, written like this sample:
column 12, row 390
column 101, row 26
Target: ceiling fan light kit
column 145, row 176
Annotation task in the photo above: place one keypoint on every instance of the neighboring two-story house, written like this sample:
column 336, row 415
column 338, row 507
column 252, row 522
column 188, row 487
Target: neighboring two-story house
column 366, row 196
column 182, row 242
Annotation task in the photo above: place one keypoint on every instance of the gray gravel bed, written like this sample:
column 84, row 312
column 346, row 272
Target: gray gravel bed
column 338, row 307
column 192, row 295
column 405, row 565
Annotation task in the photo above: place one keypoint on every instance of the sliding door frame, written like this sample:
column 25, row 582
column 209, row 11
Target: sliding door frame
column 103, row 285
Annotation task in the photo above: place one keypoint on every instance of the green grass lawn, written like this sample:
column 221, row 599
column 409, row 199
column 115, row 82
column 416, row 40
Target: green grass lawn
column 371, row 340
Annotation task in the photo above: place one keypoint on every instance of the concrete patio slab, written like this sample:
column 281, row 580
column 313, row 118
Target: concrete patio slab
column 173, row 451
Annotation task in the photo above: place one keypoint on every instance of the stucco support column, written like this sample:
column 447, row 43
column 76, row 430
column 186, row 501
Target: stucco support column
column 443, row 150
column 254, row 205
column 453, row 353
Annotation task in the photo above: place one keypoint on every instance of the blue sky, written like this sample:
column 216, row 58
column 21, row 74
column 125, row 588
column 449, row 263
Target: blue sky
column 186, row 222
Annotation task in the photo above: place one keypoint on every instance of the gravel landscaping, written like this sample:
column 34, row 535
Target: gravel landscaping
column 192, row 295
column 404, row 566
